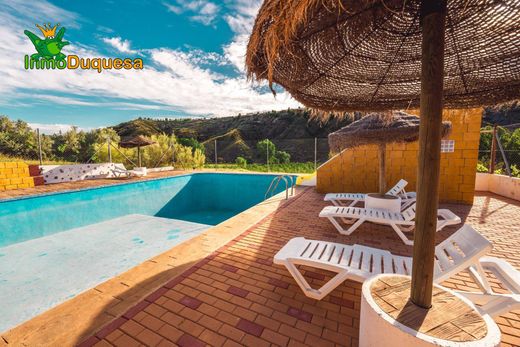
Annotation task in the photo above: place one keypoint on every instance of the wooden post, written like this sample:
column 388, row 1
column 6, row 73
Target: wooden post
column 433, row 20
column 109, row 150
column 139, row 156
column 493, row 157
column 40, row 156
column 382, row 167
column 315, row 154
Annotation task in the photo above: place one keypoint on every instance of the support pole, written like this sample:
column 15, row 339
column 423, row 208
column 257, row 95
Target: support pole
column 433, row 21
column 501, row 148
column 382, row 168
column 267, row 157
column 216, row 152
column 39, row 145
column 315, row 154
column 109, row 150
column 139, row 156
column 492, row 159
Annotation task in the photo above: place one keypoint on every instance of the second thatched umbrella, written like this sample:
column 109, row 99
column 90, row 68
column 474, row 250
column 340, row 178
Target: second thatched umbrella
column 380, row 129
column 137, row 141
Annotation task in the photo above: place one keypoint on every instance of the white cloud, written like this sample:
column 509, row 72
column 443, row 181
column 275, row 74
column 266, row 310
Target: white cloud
column 201, row 11
column 118, row 43
column 172, row 80
column 241, row 23
column 49, row 129
column 173, row 8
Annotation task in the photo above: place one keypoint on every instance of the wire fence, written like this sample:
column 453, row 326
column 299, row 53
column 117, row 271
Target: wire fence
column 506, row 162
column 499, row 153
column 499, row 150
column 289, row 155
column 276, row 155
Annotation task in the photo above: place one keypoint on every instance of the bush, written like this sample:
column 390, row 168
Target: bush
column 241, row 162
column 482, row 168
column 283, row 157
column 275, row 156
column 266, row 146
column 186, row 158
column 191, row 142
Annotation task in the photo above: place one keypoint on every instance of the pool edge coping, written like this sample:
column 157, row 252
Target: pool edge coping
column 141, row 180
column 47, row 328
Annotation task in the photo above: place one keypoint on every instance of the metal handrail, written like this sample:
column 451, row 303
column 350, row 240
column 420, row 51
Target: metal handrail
column 277, row 179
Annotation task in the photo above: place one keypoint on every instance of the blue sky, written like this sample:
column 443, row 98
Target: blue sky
column 193, row 52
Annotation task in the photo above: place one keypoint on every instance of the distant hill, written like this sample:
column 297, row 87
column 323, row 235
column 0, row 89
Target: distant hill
column 291, row 130
column 505, row 114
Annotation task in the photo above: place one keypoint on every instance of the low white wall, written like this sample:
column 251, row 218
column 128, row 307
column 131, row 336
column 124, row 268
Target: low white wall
column 77, row 172
column 161, row 169
column 498, row 184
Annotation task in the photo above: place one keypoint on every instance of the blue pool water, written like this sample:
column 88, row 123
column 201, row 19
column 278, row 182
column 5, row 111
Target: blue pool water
column 205, row 198
column 53, row 247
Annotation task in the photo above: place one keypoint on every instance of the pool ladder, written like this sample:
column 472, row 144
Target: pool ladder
column 276, row 181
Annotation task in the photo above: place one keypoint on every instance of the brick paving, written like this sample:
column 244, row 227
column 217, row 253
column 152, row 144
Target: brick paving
column 59, row 187
column 238, row 297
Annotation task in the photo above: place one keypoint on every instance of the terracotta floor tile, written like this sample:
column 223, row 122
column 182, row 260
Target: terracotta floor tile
column 239, row 297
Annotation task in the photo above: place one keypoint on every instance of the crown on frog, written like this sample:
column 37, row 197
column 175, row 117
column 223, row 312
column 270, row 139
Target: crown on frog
column 47, row 30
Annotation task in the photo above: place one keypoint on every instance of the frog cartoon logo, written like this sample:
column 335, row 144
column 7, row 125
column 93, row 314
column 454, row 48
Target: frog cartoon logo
column 50, row 57
column 50, row 47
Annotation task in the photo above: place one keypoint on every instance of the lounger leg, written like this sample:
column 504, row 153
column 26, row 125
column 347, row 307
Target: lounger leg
column 339, row 204
column 495, row 305
column 320, row 293
column 342, row 230
column 403, row 237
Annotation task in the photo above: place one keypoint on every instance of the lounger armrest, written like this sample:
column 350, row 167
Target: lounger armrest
column 292, row 249
column 449, row 216
column 503, row 269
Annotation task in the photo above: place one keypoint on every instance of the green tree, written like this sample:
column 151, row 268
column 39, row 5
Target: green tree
column 191, row 142
column 283, row 157
column 266, row 147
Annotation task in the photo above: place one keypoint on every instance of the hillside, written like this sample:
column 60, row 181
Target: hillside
column 292, row 131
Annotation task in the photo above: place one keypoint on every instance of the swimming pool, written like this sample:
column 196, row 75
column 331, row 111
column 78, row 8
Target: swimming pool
column 55, row 246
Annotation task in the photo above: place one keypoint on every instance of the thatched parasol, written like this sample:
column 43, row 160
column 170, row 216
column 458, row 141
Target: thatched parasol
column 137, row 141
column 342, row 55
column 356, row 55
column 380, row 129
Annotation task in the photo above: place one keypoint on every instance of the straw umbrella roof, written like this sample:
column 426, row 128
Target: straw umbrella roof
column 137, row 141
column 377, row 128
column 365, row 55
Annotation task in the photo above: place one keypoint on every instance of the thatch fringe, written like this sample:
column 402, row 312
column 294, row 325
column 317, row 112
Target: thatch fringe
column 380, row 128
column 365, row 55
column 278, row 22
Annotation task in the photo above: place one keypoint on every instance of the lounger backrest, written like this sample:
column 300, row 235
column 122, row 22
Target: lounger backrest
column 397, row 188
column 459, row 251
column 409, row 213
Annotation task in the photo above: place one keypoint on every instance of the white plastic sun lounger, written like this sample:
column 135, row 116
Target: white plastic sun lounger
column 399, row 221
column 464, row 250
column 351, row 199
column 118, row 172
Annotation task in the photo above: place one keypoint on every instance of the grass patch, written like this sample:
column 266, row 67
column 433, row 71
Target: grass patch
column 283, row 168
column 4, row 158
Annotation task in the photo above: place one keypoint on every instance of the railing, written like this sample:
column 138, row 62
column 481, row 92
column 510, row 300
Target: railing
column 274, row 185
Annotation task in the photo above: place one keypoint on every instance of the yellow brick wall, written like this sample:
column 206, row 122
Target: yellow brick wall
column 356, row 169
column 14, row 175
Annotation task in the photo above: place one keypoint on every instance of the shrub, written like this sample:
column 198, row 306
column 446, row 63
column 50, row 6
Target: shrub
column 482, row 168
column 241, row 162
column 191, row 142
column 283, row 157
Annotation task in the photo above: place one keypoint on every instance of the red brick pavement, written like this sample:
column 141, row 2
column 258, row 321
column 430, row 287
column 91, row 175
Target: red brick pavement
column 238, row 297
